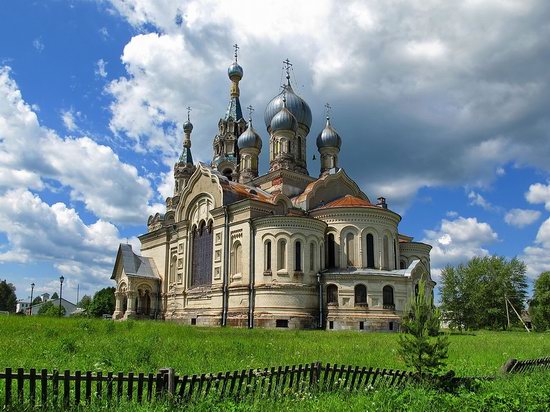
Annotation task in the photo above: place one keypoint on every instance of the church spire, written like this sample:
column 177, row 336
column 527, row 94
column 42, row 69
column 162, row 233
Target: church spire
column 235, row 73
column 184, row 167
column 230, row 127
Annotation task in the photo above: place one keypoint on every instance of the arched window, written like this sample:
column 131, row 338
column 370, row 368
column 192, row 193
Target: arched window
column 281, row 254
column 173, row 265
column 332, row 294
column 387, row 296
column 201, row 264
column 386, row 253
column 360, row 295
column 298, row 256
column 236, row 258
column 395, row 254
column 267, row 255
column 350, row 249
column 331, row 252
column 402, row 265
column 370, row 251
column 312, row 256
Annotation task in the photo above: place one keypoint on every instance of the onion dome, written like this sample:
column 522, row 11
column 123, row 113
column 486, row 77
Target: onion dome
column 187, row 126
column 249, row 138
column 235, row 71
column 329, row 137
column 284, row 120
column 294, row 103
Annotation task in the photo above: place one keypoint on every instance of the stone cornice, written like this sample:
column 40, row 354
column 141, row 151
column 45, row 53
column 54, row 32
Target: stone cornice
column 361, row 214
column 295, row 222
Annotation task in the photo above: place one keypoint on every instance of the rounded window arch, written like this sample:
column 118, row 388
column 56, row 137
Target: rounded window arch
column 387, row 297
column 267, row 256
column 386, row 252
column 370, row 251
column 331, row 251
column 298, row 256
column 236, row 258
column 173, row 266
column 402, row 264
column 311, row 256
column 360, row 295
column 332, row 294
column 350, row 250
column 281, row 254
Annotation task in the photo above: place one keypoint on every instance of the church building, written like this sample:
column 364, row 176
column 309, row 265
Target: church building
column 280, row 250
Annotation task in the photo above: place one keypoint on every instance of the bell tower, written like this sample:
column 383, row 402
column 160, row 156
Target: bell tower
column 230, row 127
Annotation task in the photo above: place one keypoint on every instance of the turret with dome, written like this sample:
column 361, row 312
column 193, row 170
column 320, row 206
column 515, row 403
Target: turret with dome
column 280, row 249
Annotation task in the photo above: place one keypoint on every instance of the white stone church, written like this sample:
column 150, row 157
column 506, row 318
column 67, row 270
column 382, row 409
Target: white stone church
column 284, row 249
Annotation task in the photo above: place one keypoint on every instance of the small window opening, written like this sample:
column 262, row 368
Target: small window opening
column 193, row 321
column 391, row 325
column 362, row 325
column 331, row 324
column 281, row 323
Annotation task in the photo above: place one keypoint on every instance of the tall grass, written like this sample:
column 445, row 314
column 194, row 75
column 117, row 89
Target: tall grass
column 144, row 346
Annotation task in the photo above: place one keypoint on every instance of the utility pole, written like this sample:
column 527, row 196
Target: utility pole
column 507, row 311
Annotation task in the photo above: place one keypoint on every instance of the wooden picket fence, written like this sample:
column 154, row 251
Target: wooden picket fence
column 530, row 365
column 64, row 390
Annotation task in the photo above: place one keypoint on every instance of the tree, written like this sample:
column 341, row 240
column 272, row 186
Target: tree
column 51, row 310
column 85, row 302
column 103, row 302
column 37, row 300
column 54, row 296
column 473, row 295
column 8, row 299
column 540, row 304
column 421, row 346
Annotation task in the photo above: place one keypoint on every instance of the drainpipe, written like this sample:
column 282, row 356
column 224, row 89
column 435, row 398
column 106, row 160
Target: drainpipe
column 225, row 302
column 321, row 314
column 252, row 274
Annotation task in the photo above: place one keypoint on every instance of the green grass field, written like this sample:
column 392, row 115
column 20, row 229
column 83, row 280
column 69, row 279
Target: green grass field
column 83, row 344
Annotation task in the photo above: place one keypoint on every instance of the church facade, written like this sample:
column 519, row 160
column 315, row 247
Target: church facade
column 283, row 249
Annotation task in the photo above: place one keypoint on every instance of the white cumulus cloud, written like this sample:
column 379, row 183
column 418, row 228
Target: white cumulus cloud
column 539, row 193
column 30, row 152
column 521, row 217
column 458, row 240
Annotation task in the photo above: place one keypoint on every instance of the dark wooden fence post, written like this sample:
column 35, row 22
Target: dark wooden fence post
column 508, row 367
column 7, row 398
column 169, row 381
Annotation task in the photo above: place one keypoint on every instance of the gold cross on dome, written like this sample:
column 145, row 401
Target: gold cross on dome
column 250, row 110
column 188, row 112
column 327, row 110
column 287, row 65
column 236, row 47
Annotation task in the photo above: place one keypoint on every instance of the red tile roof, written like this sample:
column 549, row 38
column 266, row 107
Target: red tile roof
column 348, row 201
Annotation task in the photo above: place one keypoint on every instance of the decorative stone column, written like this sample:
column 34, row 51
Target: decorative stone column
column 131, row 305
column 118, row 305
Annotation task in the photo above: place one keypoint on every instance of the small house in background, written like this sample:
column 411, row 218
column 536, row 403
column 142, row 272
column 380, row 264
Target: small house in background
column 70, row 308
column 45, row 297
column 22, row 306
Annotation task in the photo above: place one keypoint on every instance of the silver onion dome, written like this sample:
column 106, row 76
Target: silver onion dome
column 284, row 120
column 329, row 137
column 187, row 126
column 249, row 138
column 294, row 103
column 235, row 71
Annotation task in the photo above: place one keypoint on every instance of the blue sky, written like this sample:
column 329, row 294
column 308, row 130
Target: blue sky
column 442, row 108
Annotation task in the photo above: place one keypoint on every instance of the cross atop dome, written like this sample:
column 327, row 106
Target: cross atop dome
column 250, row 111
column 236, row 47
column 327, row 110
column 188, row 108
column 287, row 66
